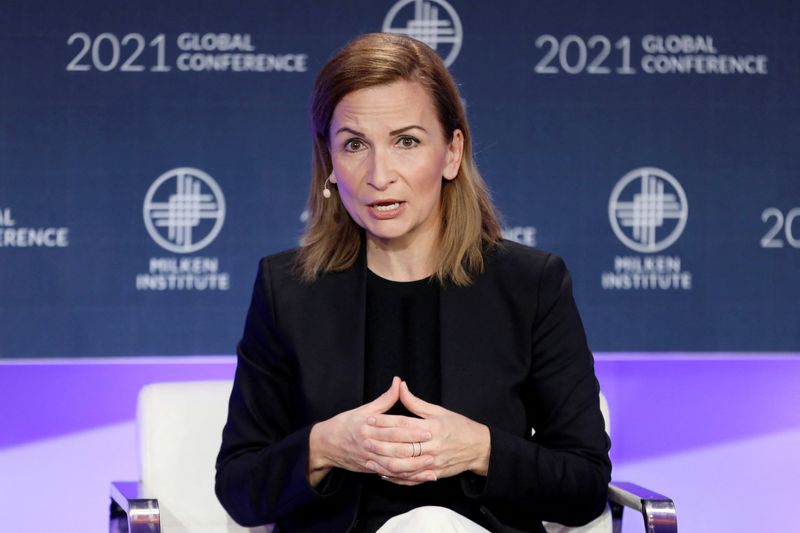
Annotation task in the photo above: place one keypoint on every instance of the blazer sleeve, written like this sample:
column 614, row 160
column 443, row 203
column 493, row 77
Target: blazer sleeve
column 561, row 472
column 261, row 466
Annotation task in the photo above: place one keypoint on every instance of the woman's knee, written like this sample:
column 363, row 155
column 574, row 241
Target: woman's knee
column 430, row 519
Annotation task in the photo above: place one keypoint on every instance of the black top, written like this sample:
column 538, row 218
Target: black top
column 402, row 339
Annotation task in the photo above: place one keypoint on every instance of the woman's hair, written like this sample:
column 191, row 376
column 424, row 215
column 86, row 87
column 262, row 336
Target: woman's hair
column 469, row 222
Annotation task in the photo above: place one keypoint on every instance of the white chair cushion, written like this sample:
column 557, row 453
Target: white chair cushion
column 180, row 432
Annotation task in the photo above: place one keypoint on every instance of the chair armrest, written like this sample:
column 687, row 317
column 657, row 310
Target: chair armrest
column 143, row 515
column 657, row 510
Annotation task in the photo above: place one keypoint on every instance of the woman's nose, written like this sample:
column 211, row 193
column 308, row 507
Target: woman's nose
column 381, row 173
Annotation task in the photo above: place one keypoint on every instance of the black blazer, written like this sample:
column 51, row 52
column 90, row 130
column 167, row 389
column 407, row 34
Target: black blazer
column 513, row 355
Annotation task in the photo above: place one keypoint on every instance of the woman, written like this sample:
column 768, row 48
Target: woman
column 405, row 355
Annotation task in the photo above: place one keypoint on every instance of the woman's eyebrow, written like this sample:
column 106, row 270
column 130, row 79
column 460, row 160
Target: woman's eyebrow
column 401, row 130
column 350, row 130
column 393, row 132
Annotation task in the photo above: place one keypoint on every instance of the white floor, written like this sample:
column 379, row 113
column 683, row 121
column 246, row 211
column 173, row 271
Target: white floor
column 744, row 486
column 62, row 484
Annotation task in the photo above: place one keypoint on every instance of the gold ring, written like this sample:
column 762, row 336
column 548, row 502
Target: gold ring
column 417, row 446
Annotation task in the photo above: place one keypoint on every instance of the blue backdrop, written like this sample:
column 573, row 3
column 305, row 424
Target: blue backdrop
column 151, row 152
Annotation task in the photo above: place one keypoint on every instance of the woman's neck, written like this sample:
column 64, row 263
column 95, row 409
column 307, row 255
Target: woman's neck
column 401, row 261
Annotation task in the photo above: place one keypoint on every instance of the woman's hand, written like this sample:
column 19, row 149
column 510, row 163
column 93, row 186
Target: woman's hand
column 456, row 443
column 340, row 441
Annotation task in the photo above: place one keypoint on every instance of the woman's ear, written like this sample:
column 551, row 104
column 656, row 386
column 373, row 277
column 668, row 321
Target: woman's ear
column 455, row 151
column 332, row 177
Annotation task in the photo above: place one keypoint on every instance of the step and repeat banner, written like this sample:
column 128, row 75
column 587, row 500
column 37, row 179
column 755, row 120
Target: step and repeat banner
column 151, row 152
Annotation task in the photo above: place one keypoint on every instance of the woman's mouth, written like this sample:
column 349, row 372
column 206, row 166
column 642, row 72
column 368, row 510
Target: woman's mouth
column 386, row 206
column 386, row 209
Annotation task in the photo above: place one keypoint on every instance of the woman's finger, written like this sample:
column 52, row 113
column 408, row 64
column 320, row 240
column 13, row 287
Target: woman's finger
column 391, row 421
column 393, row 449
column 396, row 467
column 397, row 421
column 397, row 434
column 417, row 479
column 385, row 401
column 416, row 405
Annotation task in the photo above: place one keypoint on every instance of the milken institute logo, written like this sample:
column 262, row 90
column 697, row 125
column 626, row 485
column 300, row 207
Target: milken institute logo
column 424, row 24
column 648, row 210
column 184, row 210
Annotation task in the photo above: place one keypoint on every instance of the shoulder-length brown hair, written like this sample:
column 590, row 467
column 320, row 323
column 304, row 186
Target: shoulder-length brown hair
column 469, row 221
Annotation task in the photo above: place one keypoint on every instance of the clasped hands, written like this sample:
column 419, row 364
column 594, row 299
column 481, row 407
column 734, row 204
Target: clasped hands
column 401, row 449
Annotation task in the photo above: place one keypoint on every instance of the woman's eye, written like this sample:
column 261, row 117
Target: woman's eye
column 354, row 145
column 408, row 142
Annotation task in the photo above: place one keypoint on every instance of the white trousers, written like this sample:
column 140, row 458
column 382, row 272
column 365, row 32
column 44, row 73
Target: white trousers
column 431, row 519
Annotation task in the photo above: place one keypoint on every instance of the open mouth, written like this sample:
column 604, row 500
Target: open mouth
column 388, row 206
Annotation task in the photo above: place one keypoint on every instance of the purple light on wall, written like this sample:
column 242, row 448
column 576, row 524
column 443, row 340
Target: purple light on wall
column 667, row 403
column 43, row 399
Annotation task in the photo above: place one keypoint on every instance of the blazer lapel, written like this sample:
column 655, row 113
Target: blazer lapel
column 335, row 337
column 484, row 355
column 461, row 332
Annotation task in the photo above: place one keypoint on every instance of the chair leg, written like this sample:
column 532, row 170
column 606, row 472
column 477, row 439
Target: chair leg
column 616, row 517
column 117, row 519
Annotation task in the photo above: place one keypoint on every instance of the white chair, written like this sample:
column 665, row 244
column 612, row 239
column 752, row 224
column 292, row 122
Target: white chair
column 180, row 431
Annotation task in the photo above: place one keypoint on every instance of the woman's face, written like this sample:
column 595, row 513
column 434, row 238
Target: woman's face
column 389, row 156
